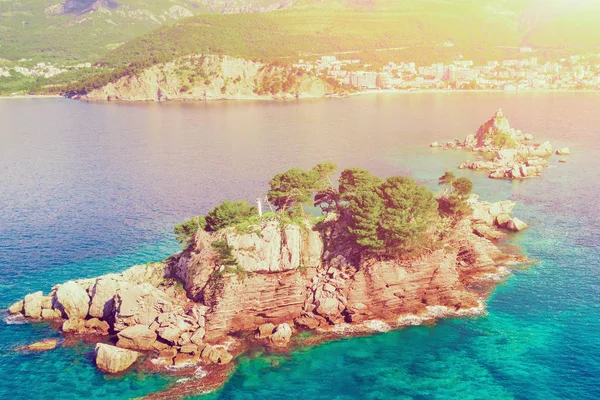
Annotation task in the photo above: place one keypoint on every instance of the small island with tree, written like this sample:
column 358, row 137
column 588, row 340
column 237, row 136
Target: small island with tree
column 335, row 255
column 505, row 153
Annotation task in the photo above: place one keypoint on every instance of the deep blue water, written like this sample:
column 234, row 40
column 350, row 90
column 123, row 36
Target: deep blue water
column 87, row 189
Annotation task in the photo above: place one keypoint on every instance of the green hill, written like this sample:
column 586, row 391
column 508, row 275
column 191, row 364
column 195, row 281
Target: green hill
column 421, row 31
column 84, row 30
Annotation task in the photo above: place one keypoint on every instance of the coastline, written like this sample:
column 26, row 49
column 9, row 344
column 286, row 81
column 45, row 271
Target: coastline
column 292, row 98
column 31, row 96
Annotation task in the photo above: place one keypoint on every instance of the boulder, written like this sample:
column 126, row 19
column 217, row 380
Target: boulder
column 528, row 136
column 328, row 307
column 170, row 333
column 282, row 335
column 502, row 219
column 189, row 349
column 74, row 325
column 42, row 345
column 516, row 225
column 160, row 345
column 94, row 325
column 73, row 299
column 114, row 359
column 216, row 355
column 32, row 305
column 183, row 359
column 198, row 336
column 51, row 314
column 265, row 330
column 563, row 152
column 137, row 337
column 103, row 292
column 434, row 144
column 139, row 304
column 16, row 308
column 166, row 356
column 309, row 321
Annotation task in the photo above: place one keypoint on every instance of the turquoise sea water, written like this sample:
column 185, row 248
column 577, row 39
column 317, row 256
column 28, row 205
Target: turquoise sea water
column 87, row 189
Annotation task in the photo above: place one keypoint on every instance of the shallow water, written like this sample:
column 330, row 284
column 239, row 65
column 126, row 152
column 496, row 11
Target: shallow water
column 87, row 189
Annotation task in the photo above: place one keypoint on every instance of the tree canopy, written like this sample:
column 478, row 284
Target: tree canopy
column 297, row 186
column 455, row 203
column 383, row 217
column 228, row 213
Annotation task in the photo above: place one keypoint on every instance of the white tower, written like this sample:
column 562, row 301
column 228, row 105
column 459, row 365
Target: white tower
column 259, row 203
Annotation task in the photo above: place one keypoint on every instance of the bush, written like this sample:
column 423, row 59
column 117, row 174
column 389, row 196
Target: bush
column 224, row 254
column 186, row 230
column 229, row 213
column 503, row 140
column 462, row 186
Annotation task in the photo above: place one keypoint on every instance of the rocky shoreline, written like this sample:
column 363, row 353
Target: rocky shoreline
column 191, row 317
column 507, row 153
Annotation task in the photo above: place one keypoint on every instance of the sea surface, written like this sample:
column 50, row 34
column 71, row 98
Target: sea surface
column 87, row 189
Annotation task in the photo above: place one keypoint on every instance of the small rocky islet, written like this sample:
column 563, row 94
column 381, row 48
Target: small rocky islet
column 508, row 153
column 265, row 280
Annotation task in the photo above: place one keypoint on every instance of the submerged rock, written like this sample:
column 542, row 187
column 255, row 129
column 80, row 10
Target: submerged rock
column 42, row 345
column 114, row 359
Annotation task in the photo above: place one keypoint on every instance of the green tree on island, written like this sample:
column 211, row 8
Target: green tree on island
column 386, row 218
column 455, row 203
column 409, row 209
column 228, row 213
column 296, row 186
column 447, row 180
column 185, row 231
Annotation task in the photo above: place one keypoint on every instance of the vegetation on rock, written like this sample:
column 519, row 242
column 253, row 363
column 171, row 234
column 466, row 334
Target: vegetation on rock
column 229, row 213
column 185, row 231
column 383, row 218
column 454, row 200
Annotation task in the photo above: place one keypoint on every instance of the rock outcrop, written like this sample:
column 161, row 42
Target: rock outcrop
column 73, row 299
column 274, row 248
column 113, row 359
column 508, row 152
column 137, row 337
column 211, row 77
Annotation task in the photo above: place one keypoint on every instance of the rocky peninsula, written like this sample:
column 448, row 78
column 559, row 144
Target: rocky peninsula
column 208, row 77
column 247, row 279
column 507, row 153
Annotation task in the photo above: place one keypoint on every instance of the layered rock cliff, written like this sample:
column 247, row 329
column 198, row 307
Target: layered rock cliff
column 210, row 77
column 191, row 309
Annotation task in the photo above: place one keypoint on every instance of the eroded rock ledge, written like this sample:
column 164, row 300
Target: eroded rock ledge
column 506, row 153
column 190, row 311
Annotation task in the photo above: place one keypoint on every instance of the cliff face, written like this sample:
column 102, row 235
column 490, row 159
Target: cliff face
column 210, row 77
column 287, row 276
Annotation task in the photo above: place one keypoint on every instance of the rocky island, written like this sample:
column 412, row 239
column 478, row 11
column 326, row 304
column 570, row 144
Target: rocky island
column 384, row 254
column 507, row 153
